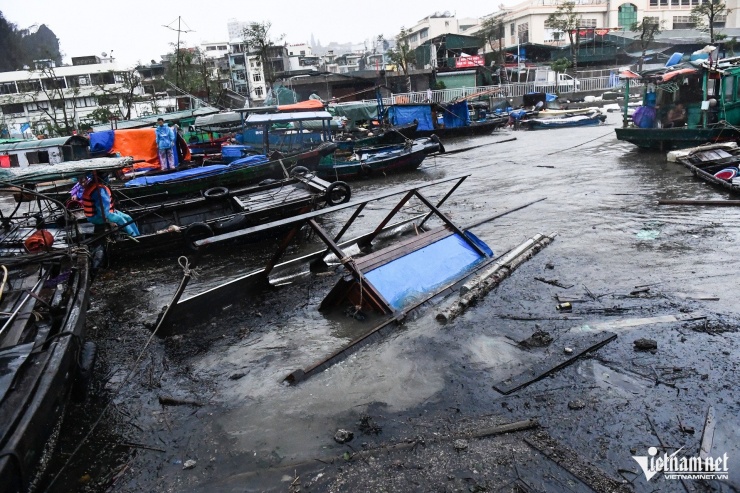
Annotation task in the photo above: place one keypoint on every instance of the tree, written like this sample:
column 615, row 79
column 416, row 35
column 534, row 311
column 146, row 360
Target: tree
column 192, row 72
column 566, row 19
column 257, row 38
column 559, row 66
column 705, row 14
column 646, row 31
column 56, row 102
column 131, row 80
column 493, row 31
column 11, row 56
column 402, row 55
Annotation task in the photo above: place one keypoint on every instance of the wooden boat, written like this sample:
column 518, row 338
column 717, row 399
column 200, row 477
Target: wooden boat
column 394, row 134
column 708, row 118
column 172, row 226
column 594, row 118
column 43, row 356
column 456, row 120
column 718, row 167
column 378, row 160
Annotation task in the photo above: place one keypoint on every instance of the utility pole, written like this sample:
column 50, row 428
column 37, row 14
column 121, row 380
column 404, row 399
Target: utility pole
column 179, row 30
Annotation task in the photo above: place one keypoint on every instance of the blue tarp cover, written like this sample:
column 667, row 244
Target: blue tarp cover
column 456, row 115
column 401, row 115
column 249, row 160
column 101, row 142
column 413, row 276
column 177, row 175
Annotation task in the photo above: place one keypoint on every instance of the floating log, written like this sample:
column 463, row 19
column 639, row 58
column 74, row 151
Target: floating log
column 484, row 282
column 718, row 203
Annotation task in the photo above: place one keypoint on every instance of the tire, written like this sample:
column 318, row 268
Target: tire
column 216, row 193
column 84, row 371
column 299, row 171
column 195, row 232
column 337, row 193
column 236, row 222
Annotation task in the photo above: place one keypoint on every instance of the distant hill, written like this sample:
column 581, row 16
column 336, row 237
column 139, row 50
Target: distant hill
column 20, row 47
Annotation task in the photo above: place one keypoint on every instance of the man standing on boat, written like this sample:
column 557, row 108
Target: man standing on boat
column 165, row 145
column 97, row 203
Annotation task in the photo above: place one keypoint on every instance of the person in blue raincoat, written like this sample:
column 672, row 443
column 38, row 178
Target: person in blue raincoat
column 97, row 203
column 165, row 145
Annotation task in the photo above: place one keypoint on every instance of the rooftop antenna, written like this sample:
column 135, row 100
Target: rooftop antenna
column 177, row 52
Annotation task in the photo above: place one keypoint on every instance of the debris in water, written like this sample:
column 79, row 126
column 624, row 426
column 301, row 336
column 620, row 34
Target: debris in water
column 189, row 464
column 460, row 444
column 368, row 426
column 568, row 350
column 539, row 339
column 343, row 436
column 646, row 345
column 576, row 404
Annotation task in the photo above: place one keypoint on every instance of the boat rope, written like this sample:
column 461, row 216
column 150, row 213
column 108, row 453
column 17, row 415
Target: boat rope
column 579, row 145
column 187, row 272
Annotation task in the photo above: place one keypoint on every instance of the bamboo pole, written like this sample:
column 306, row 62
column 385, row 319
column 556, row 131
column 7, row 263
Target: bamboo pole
column 481, row 284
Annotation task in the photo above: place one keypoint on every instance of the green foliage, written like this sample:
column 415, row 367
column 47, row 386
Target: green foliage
column 101, row 115
column 258, row 40
column 705, row 14
column 439, row 85
column 730, row 46
column 566, row 19
column 646, row 31
column 402, row 55
column 560, row 65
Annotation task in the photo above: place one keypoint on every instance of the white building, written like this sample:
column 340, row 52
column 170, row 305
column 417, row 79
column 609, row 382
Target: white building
column 525, row 22
column 31, row 99
column 215, row 50
column 301, row 57
column 247, row 75
column 437, row 24
column 236, row 29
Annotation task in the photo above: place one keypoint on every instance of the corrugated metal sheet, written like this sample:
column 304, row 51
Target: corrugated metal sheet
column 44, row 143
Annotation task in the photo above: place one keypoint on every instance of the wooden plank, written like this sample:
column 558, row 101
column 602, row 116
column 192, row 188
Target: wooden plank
column 388, row 254
column 707, row 435
column 555, row 362
column 574, row 463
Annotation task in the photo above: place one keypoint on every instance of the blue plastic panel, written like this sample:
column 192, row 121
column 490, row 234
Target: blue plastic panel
column 418, row 274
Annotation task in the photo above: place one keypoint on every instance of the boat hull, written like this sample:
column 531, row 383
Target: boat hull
column 663, row 139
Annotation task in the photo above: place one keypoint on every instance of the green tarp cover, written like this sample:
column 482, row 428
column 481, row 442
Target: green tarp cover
column 355, row 112
column 40, row 173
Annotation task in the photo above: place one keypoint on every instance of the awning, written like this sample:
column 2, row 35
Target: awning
column 311, row 104
column 61, row 171
column 288, row 117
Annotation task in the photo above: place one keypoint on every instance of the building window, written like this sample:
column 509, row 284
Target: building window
column 108, row 99
column 523, row 32
column 512, row 29
column 8, row 88
column 210, row 48
column 257, row 77
column 12, row 108
column 223, row 48
column 627, row 16
column 424, row 33
column 719, row 20
column 258, row 92
column 414, row 38
column 683, row 22
column 587, row 23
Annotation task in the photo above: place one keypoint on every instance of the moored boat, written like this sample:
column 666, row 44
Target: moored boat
column 582, row 120
column 378, row 160
column 716, row 166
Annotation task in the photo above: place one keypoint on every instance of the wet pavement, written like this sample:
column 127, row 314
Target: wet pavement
column 417, row 399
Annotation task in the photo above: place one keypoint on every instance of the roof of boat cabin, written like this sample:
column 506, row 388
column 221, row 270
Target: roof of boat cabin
column 289, row 117
column 62, row 171
column 25, row 145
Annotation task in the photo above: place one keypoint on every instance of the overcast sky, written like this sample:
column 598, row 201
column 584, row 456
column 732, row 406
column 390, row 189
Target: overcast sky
column 134, row 30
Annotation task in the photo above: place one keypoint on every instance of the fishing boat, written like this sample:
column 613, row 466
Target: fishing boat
column 444, row 121
column 378, row 160
column 702, row 91
column 569, row 121
column 715, row 164
column 172, row 226
column 44, row 287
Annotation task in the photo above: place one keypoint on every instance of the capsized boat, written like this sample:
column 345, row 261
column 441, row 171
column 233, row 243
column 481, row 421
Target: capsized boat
column 716, row 164
column 568, row 121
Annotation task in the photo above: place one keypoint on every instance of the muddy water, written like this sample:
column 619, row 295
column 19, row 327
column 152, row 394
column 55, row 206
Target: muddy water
column 253, row 433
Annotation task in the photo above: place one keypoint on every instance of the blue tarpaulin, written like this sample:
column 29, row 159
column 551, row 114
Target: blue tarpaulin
column 409, row 278
column 401, row 115
column 101, row 142
column 249, row 161
column 178, row 175
column 456, row 115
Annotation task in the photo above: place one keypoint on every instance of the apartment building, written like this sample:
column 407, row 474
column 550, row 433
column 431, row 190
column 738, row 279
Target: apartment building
column 31, row 99
column 437, row 24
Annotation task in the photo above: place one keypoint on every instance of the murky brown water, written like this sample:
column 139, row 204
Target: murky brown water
column 601, row 200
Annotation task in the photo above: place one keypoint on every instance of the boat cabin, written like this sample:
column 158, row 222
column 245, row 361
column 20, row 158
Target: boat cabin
column 44, row 151
column 289, row 131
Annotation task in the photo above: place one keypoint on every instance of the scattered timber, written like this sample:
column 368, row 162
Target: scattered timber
column 484, row 282
column 717, row 203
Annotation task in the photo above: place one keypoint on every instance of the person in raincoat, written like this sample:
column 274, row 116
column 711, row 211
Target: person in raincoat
column 97, row 203
column 165, row 145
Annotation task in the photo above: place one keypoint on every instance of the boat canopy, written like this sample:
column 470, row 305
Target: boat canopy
column 27, row 145
column 139, row 143
column 310, row 104
column 407, row 113
column 61, row 171
column 229, row 118
column 295, row 116
column 355, row 112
